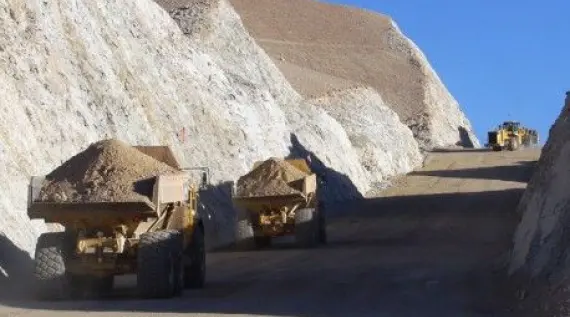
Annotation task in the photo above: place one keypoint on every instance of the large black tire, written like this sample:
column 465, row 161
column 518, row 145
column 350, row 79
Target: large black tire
column 306, row 228
column 51, row 280
column 323, row 238
column 159, row 264
column 244, row 234
column 513, row 144
column 195, row 272
column 527, row 141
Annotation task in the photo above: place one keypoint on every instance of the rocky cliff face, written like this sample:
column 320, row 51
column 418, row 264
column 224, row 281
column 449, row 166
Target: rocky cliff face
column 384, row 145
column 324, row 47
column 540, row 252
column 73, row 73
column 540, row 238
column 191, row 77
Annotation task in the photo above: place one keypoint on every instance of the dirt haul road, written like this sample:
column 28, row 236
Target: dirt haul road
column 422, row 249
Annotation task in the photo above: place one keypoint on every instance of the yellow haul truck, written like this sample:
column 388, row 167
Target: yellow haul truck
column 161, row 241
column 301, row 214
column 511, row 135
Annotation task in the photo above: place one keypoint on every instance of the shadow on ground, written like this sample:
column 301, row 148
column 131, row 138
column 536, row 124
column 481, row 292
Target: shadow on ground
column 16, row 268
column 460, row 150
column 469, row 204
column 511, row 173
column 419, row 255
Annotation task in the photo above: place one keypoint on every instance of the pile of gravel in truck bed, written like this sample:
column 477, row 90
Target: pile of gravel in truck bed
column 107, row 171
column 271, row 178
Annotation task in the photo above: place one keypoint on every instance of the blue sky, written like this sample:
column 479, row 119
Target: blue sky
column 502, row 60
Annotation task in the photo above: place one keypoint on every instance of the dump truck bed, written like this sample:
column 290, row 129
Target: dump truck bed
column 260, row 201
column 38, row 210
column 168, row 188
column 301, row 187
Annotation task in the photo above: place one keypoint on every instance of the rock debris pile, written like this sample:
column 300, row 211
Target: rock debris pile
column 272, row 177
column 107, row 171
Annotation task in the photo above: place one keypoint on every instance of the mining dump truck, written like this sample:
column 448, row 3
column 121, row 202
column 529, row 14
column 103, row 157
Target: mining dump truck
column 278, row 198
column 160, row 238
column 511, row 135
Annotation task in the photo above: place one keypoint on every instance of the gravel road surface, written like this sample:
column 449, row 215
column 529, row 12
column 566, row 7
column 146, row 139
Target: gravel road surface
column 425, row 247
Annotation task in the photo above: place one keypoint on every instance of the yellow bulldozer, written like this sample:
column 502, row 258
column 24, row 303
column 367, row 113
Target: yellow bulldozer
column 161, row 240
column 298, row 213
column 510, row 135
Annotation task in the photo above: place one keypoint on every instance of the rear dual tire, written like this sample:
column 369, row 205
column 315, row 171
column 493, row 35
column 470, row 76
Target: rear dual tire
column 245, row 234
column 310, row 230
column 160, row 271
column 51, row 280
column 310, row 227
column 159, row 261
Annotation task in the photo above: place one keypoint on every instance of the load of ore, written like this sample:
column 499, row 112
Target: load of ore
column 107, row 171
column 273, row 177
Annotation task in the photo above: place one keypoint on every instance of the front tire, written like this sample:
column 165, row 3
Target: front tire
column 513, row 144
column 195, row 273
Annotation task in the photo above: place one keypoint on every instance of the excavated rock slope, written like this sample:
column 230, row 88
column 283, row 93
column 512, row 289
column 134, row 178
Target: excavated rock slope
column 541, row 242
column 339, row 47
column 229, row 41
column 385, row 146
column 73, row 73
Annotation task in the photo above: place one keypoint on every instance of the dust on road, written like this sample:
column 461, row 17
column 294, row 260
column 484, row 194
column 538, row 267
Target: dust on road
column 425, row 247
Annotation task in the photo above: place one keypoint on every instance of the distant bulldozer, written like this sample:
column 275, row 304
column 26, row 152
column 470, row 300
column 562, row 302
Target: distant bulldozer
column 511, row 135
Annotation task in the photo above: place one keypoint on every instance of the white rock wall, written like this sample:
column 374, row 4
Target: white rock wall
column 385, row 146
column 440, row 122
column 75, row 72
column 215, row 28
column 541, row 239
column 223, row 36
